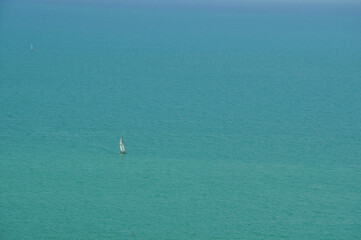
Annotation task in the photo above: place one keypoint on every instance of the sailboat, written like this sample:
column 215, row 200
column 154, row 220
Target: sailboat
column 31, row 47
column 121, row 145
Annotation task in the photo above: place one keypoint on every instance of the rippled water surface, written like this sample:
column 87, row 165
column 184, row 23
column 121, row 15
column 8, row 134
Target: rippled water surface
column 238, row 125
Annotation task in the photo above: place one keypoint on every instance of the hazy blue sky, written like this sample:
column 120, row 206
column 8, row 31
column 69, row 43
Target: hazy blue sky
column 354, row 5
column 349, row 6
column 203, row 1
column 208, row 2
column 215, row 1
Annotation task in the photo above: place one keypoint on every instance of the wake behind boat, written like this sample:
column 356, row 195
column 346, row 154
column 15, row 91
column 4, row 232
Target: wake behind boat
column 121, row 146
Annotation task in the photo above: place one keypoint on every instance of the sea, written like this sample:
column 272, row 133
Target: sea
column 240, row 122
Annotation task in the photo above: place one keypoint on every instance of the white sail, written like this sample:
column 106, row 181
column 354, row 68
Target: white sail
column 31, row 47
column 122, row 148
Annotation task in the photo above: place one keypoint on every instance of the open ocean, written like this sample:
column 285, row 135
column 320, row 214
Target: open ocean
column 239, row 124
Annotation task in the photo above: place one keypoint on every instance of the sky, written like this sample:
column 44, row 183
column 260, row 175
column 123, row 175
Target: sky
column 323, row 5
column 203, row 2
column 222, row 3
column 342, row 6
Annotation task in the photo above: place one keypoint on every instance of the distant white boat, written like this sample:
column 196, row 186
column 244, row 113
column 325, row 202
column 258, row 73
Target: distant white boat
column 31, row 47
column 122, row 148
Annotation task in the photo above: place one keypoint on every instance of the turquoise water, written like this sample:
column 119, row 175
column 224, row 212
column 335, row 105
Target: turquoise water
column 238, row 124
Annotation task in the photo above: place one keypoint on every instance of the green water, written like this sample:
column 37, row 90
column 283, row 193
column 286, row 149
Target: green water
column 238, row 124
